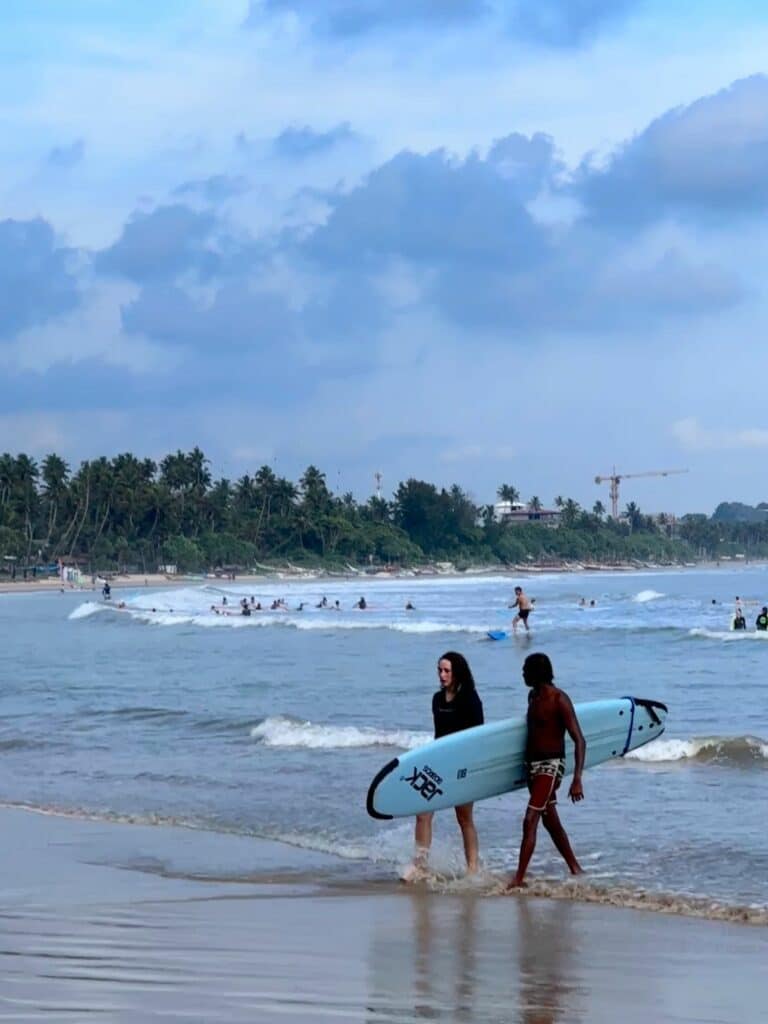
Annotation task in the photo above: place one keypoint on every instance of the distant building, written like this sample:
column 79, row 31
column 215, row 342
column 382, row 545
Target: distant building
column 514, row 513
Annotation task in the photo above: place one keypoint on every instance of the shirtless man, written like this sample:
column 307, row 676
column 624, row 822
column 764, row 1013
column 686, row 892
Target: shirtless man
column 550, row 716
column 524, row 606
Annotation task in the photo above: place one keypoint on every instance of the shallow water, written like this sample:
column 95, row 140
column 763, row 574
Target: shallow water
column 273, row 725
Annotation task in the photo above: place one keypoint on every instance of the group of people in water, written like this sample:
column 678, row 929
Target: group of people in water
column 279, row 604
column 740, row 621
column 457, row 706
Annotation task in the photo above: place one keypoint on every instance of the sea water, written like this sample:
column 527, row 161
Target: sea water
column 273, row 725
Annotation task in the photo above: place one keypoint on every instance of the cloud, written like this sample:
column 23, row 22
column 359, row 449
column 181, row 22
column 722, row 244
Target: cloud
column 565, row 23
column 66, row 156
column 238, row 316
column 215, row 189
column 159, row 245
column 358, row 17
column 430, row 210
column 37, row 276
column 299, row 143
column 553, row 23
column 690, row 434
column 710, row 157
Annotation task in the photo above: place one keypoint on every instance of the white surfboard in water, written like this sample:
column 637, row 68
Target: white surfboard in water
column 490, row 759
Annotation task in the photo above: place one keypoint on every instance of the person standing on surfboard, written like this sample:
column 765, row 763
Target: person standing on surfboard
column 456, row 706
column 550, row 716
column 524, row 606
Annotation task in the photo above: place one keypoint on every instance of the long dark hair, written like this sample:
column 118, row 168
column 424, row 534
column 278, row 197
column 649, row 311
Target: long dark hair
column 462, row 673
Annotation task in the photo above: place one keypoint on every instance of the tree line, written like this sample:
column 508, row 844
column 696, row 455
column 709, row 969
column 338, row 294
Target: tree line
column 137, row 514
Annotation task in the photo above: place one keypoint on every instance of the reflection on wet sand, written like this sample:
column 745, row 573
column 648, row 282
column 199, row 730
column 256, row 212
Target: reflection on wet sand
column 468, row 958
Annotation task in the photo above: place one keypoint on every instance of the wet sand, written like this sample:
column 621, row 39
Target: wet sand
column 116, row 922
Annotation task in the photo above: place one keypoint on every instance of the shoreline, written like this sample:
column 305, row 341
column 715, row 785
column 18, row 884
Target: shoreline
column 115, row 921
column 287, row 573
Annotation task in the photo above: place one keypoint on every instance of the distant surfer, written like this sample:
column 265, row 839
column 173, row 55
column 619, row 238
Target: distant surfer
column 456, row 706
column 524, row 606
column 739, row 622
column 550, row 716
column 106, row 591
column 323, row 602
column 361, row 604
column 409, row 607
column 761, row 622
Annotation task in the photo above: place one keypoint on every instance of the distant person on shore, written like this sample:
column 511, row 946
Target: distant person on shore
column 550, row 716
column 524, row 606
column 456, row 706
column 106, row 591
column 761, row 622
column 224, row 599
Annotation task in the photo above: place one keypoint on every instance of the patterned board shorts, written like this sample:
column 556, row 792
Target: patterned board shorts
column 544, row 778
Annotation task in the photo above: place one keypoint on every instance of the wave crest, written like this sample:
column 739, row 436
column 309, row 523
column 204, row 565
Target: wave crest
column 734, row 750
column 282, row 731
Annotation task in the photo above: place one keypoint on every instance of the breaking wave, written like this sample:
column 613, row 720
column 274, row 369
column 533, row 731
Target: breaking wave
column 729, row 635
column 726, row 750
column 646, row 595
column 282, row 731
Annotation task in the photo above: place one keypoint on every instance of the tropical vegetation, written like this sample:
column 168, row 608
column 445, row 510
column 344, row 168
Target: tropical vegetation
column 137, row 514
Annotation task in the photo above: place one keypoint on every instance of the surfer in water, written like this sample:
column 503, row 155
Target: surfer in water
column 455, row 706
column 550, row 717
column 524, row 606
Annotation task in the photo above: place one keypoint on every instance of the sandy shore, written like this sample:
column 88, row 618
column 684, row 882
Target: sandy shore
column 111, row 922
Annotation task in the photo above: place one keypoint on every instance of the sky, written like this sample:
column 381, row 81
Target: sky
column 466, row 241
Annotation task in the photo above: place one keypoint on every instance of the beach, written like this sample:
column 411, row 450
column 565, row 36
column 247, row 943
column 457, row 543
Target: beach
column 182, row 802
column 116, row 922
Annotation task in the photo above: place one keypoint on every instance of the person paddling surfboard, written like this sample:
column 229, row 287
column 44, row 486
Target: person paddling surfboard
column 550, row 716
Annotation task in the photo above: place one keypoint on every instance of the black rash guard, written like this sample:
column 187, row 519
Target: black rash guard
column 463, row 712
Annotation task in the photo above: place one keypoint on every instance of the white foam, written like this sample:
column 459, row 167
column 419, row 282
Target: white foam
column 280, row 731
column 729, row 635
column 83, row 611
column 646, row 595
column 666, row 750
column 735, row 748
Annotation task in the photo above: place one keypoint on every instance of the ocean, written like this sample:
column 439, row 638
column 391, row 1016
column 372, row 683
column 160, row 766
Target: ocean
column 272, row 726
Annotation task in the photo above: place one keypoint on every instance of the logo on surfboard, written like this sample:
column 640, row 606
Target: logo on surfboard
column 424, row 781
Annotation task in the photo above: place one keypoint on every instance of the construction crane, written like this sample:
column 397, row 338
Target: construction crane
column 614, row 478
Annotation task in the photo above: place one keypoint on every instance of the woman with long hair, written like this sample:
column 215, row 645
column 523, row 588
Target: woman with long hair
column 455, row 706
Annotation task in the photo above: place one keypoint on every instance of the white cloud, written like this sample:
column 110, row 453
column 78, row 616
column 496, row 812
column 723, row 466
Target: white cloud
column 691, row 435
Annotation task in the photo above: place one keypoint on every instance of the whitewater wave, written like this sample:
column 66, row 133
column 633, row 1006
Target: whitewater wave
column 643, row 596
column 726, row 750
column 729, row 635
column 282, row 731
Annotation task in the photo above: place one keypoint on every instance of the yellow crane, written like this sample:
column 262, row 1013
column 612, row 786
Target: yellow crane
column 614, row 479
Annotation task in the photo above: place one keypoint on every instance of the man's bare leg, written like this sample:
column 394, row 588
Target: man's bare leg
column 528, row 845
column 469, row 835
column 551, row 821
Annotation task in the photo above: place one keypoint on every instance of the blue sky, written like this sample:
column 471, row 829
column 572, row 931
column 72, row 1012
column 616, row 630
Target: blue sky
column 472, row 241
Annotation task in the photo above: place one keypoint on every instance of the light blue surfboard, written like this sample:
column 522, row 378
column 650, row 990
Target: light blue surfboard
column 497, row 634
column 490, row 759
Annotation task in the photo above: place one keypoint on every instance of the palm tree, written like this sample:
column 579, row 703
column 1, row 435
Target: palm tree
column 506, row 492
column 535, row 504
column 559, row 501
column 598, row 510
